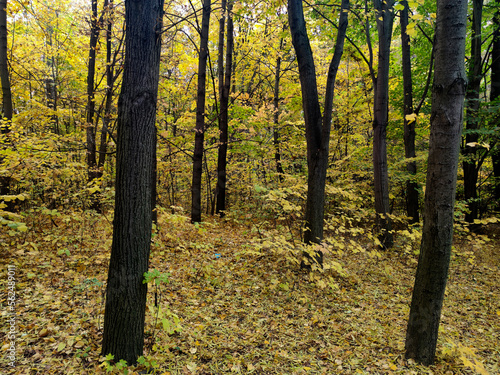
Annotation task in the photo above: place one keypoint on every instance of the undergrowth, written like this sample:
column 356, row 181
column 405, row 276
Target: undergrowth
column 229, row 297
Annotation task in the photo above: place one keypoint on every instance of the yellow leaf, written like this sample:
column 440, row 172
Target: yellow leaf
column 61, row 346
column 411, row 29
column 411, row 117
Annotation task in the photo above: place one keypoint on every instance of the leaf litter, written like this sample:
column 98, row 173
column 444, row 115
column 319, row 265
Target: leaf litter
column 238, row 309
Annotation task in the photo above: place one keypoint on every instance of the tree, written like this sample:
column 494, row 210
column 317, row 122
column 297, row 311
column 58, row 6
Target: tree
column 317, row 126
column 446, row 125
column 276, row 116
column 385, row 16
column 5, row 81
column 412, row 209
column 470, row 166
column 110, row 85
column 495, row 96
column 136, row 154
column 225, row 85
column 91, row 136
column 4, row 65
column 199, row 136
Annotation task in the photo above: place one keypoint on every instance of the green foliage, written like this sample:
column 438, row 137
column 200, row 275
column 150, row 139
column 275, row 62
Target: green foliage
column 119, row 367
column 156, row 277
column 166, row 320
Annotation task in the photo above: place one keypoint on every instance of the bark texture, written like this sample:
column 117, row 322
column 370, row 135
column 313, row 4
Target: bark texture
column 4, row 66
column 224, row 115
column 199, row 137
column 494, row 95
column 276, row 116
column 110, row 83
column 470, row 165
column 446, row 125
column 317, row 126
column 90, row 126
column 412, row 195
column 385, row 16
column 136, row 153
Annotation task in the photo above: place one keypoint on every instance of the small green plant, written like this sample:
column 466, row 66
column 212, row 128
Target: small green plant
column 147, row 363
column 119, row 367
column 169, row 321
column 82, row 353
column 156, row 277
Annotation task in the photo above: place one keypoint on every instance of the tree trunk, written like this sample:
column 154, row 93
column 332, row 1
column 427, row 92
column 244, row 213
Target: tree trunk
column 90, row 126
column 110, row 82
column 223, row 122
column 409, row 123
column 51, row 84
column 494, row 95
column 470, row 166
column 317, row 127
column 6, row 92
column 276, row 117
column 136, row 153
column 4, row 67
column 200, row 116
column 384, row 16
column 444, row 143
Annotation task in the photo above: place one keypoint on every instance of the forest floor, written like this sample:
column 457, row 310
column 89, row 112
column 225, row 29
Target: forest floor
column 233, row 307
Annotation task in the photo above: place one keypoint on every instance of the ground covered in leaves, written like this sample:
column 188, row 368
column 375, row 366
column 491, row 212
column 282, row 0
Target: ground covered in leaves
column 236, row 305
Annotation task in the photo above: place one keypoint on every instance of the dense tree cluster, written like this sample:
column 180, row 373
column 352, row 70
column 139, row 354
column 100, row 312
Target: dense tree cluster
column 331, row 110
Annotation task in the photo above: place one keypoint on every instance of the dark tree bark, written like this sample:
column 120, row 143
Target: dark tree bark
column 412, row 209
column 276, row 117
column 90, row 126
column 470, row 166
column 6, row 92
column 317, row 126
column 51, row 83
column 494, row 95
column 4, row 67
column 199, row 137
column 444, row 144
column 220, row 76
column 224, row 118
column 385, row 16
column 136, row 154
column 110, row 83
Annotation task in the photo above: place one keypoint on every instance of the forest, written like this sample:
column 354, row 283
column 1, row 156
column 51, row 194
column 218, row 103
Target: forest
column 257, row 187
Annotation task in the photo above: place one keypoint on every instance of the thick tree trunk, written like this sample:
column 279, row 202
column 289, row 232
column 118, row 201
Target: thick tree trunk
column 409, row 123
column 470, row 166
column 276, row 117
column 199, row 136
column 494, row 95
column 385, row 17
column 444, row 144
column 317, row 127
column 224, row 117
column 136, row 153
column 90, row 126
column 4, row 67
